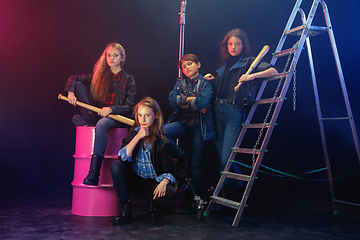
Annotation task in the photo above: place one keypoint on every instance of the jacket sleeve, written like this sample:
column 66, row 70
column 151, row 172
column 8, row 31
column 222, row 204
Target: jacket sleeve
column 131, row 134
column 70, row 84
column 129, row 99
column 204, row 100
column 125, row 141
column 167, row 166
column 175, row 97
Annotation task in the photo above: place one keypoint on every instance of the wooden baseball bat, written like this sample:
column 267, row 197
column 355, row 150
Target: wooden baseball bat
column 119, row 118
column 253, row 65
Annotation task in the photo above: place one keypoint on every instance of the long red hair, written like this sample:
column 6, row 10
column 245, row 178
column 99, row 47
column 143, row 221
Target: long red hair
column 102, row 74
column 157, row 128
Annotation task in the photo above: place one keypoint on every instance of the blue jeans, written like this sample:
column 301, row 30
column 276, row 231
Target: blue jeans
column 178, row 130
column 101, row 132
column 228, row 124
column 103, row 125
column 125, row 180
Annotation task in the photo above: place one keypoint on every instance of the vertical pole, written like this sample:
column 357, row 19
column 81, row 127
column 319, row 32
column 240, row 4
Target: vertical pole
column 182, row 31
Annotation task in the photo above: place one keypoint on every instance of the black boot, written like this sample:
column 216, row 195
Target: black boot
column 94, row 172
column 87, row 118
column 226, row 191
column 124, row 216
column 188, row 205
column 153, row 210
column 238, row 193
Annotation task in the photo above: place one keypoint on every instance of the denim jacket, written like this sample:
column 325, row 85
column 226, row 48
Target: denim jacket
column 203, row 100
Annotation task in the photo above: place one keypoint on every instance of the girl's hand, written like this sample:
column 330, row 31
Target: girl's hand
column 71, row 98
column 245, row 78
column 160, row 190
column 143, row 132
column 209, row 76
column 188, row 99
column 105, row 111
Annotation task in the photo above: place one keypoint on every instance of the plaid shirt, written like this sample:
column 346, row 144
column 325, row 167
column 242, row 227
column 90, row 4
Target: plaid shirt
column 143, row 166
column 111, row 95
column 190, row 117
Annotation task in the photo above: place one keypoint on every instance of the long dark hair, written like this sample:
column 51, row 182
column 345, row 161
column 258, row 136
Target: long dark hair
column 224, row 53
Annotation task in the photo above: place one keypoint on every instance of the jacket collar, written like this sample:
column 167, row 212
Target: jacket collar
column 238, row 64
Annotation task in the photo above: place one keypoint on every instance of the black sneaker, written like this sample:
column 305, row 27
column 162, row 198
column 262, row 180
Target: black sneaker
column 185, row 208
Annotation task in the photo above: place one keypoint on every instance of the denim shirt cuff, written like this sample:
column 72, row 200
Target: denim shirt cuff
column 123, row 156
column 192, row 105
column 168, row 176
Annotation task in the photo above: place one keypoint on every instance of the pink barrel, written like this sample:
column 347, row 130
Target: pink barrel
column 101, row 200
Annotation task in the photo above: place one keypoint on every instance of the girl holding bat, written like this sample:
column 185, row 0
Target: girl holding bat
column 111, row 89
column 229, row 108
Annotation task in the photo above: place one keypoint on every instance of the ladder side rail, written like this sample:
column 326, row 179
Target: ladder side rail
column 243, row 201
column 276, row 111
column 226, row 169
column 264, row 146
column 237, row 145
column 287, row 27
column 320, row 121
column 258, row 162
column 321, row 125
column 341, row 78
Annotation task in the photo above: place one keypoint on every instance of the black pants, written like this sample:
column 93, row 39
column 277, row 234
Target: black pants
column 125, row 180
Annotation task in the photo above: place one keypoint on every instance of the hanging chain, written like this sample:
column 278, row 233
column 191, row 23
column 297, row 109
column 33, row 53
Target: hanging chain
column 294, row 89
column 295, row 46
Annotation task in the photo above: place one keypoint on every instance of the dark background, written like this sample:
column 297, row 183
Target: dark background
column 42, row 43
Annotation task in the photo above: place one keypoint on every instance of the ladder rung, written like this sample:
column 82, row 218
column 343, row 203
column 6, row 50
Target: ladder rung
column 225, row 202
column 314, row 30
column 335, row 118
column 256, row 125
column 284, row 52
column 267, row 100
column 276, row 76
column 236, row 176
column 246, row 150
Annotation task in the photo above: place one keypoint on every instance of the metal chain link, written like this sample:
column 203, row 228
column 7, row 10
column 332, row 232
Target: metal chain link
column 294, row 89
column 272, row 102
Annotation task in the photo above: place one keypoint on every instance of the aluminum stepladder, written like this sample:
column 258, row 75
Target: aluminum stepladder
column 304, row 31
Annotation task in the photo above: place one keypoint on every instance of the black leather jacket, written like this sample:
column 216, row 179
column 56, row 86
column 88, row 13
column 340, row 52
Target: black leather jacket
column 235, row 72
column 124, row 90
column 162, row 154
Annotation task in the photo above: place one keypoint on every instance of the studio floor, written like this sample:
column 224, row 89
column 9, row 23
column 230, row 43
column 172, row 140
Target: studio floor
column 28, row 214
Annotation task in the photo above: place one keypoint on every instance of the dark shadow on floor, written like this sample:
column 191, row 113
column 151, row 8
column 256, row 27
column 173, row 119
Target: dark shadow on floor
column 47, row 215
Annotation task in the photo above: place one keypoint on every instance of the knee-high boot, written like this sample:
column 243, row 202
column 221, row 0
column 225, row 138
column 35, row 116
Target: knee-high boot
column 94, row 172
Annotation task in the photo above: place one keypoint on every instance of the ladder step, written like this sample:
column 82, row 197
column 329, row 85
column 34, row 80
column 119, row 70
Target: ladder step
column 236, row 176
column 335, row 118
column 246, row 150
column 256, row 125
column 314, row 30
column 284, row 52
column 225, row 202
column 267, row 100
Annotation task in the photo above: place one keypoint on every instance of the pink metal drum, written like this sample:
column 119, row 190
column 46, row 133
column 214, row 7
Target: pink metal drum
column 101, row 200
